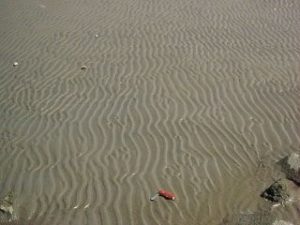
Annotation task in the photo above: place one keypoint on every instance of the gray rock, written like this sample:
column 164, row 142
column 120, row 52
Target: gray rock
column 257, row 218
column 281, row 222
column 6, row 207
column 277, row 192
column 290, row 165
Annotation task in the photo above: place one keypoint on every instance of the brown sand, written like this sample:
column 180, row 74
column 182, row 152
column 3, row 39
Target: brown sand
column 198, row 97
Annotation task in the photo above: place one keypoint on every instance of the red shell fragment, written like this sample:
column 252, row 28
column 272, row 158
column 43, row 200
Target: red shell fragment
column 166, row 194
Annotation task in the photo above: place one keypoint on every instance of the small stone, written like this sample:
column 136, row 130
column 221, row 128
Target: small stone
column 97, row 35
column 15, row 64
column 83, row 68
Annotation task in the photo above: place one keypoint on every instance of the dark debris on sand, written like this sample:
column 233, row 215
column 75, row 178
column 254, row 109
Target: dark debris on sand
column 277, row 192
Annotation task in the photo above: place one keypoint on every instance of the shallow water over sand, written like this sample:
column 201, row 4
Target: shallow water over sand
column 198, row 97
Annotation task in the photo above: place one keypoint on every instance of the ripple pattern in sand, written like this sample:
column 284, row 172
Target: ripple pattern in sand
column 190, row 96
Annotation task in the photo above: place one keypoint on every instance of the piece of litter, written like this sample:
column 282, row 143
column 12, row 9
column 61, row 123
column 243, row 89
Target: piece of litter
column 75, row 207
column 86, row 206
column 15, row 64
column 166, row 194
column 96, row 35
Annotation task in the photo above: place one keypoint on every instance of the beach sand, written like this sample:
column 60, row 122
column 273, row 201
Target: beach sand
column 112, row 100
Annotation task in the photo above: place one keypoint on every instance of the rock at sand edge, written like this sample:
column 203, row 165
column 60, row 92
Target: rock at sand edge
column 263, row 217
column 277, row 192
column 290, row 165
column 281, row 222
column 6, row 207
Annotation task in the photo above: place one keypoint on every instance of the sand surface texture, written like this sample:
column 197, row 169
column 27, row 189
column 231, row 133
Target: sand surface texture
column 199, row 97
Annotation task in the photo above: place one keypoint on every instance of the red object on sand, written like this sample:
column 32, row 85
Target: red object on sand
column 166, row 194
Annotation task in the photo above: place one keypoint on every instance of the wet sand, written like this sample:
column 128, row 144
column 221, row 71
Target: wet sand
column 200, row 98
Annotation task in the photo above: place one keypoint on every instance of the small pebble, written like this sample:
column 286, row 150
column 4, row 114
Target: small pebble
column 15, row 64
column 83, row 67
column 97, row 35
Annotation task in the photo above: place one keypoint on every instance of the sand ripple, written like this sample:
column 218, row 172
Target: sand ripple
column 190, row 96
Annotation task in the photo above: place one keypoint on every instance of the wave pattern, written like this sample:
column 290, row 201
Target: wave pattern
column 191, row 96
